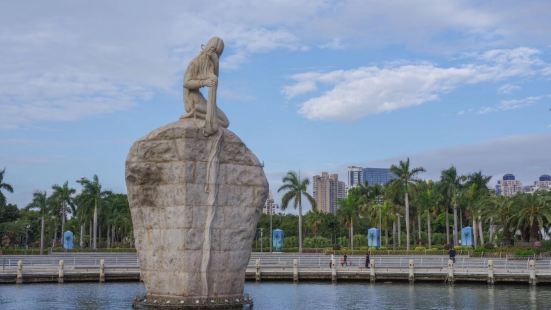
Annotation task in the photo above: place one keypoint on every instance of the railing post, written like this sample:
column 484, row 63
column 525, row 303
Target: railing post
column 372, row 271
column 411, row 271
column 450, row 278
column 102, row 270
column 257, row 269
column 19, row 278
column 532, row 270
column 295, row 270
column 60, row 271
column 491, row 278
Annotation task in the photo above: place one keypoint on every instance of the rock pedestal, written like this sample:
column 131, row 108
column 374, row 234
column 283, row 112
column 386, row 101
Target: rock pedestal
column 195, row 203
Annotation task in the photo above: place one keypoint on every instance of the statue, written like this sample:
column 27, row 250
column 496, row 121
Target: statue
column 195, row 193
column 203, row 72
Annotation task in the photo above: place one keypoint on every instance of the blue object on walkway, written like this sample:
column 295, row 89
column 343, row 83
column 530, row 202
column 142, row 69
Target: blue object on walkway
column 277, row 240
column 68, row 238
column 374, row 238
column 467, row 237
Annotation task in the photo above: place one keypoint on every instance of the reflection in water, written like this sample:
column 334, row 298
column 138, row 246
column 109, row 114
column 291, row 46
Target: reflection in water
column 281, row 295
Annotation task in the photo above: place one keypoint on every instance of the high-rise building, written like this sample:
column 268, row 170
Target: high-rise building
column 328, row 190
column 380, row 176
column 508, row 185
column 271, row 205
column 355, row 176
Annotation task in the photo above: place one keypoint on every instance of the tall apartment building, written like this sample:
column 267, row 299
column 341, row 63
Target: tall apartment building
column 359, row 175
column 508, row 185
column 328, row 190
column 270, row 205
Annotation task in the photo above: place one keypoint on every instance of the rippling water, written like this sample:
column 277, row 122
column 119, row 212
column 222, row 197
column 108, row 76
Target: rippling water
column 282, row 295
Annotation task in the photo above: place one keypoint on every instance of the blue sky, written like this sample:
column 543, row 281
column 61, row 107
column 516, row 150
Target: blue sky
column 308, row 85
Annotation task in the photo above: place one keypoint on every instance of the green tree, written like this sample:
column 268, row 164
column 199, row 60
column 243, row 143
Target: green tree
column 40, row 204
column 294, row 189
column 92, row 196
column 405, row 177
column 64, row 196
column 533, row 211
column 4, row 187
column 348, row 213
column 452, row 187
column 313, row 220
column 476, row 193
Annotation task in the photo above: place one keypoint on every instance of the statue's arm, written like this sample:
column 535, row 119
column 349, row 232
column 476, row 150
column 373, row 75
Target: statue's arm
column 192, row 84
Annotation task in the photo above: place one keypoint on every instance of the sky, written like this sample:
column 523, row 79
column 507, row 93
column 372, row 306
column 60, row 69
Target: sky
column 309, row 86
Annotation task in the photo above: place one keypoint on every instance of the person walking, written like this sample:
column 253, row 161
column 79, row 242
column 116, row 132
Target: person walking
column 345, row 260
column 367, row 260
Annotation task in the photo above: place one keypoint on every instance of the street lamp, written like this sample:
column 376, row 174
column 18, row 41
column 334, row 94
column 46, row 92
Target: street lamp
column 27, row 236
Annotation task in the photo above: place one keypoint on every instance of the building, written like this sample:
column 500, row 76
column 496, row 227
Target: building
column 270, row 205
column 358, row 175
column 544, row 183
column 380, row 176
column 355, row 176
column 328, row 190
column 508, row 185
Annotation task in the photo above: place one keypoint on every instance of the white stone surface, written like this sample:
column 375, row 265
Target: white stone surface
column 195, row 203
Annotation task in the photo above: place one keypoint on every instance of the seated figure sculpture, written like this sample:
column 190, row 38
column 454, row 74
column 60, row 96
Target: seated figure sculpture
column 203, row 72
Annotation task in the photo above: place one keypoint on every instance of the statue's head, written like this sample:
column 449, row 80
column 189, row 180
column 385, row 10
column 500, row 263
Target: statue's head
column 216, row 45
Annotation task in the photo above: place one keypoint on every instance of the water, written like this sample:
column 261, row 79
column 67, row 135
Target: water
column 282, row 295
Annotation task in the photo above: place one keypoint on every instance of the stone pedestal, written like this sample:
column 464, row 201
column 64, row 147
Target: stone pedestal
column 195, row 203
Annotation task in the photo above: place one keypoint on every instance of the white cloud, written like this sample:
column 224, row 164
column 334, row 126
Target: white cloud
column 90, row 58
column 507, row 89
column 512, row 104
column 356, row 93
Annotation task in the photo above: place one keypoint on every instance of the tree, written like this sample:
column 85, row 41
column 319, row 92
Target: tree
column 427, row 198
column 92, row 195
column 313, row 220
column 348, row 213
column 405, row 177
column 476, row 192
column 452, row 185
column 64, row 196
column 40, row 204
column 533, row 211
column 4, row 186
column 294, row 189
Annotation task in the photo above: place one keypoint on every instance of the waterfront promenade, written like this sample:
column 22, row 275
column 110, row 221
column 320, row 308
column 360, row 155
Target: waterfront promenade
column 82, row 267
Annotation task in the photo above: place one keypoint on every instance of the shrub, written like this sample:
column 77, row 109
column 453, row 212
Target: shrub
column 316, row 242
column 419, row 248
column 290, row 242
column 525, row 252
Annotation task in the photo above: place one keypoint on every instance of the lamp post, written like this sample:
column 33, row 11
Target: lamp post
column 27, row 236
column 261, row 239
column 271, row 230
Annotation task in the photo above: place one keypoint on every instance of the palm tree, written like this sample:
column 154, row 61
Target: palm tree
column 405, row 178
column 92, row 195
column 503, row 210
column 4, row 186
column 40, row 203
column 294, row 189
column 64, row 195
column 427, row 198
column 313, row 219
column 477, row 192
column 452, row 185
column 348, row 213
column 534, row 210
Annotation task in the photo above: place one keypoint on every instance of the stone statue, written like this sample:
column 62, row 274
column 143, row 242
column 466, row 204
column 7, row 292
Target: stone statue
column 195, row 193
column 203, row 72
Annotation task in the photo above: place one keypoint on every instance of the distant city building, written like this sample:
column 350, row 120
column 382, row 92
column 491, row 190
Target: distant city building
column 358, row 175
column 270, row 205
column 355, row 176
column 508, row 185
column 379, row 176
column 328, row 190
column 544, row 183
